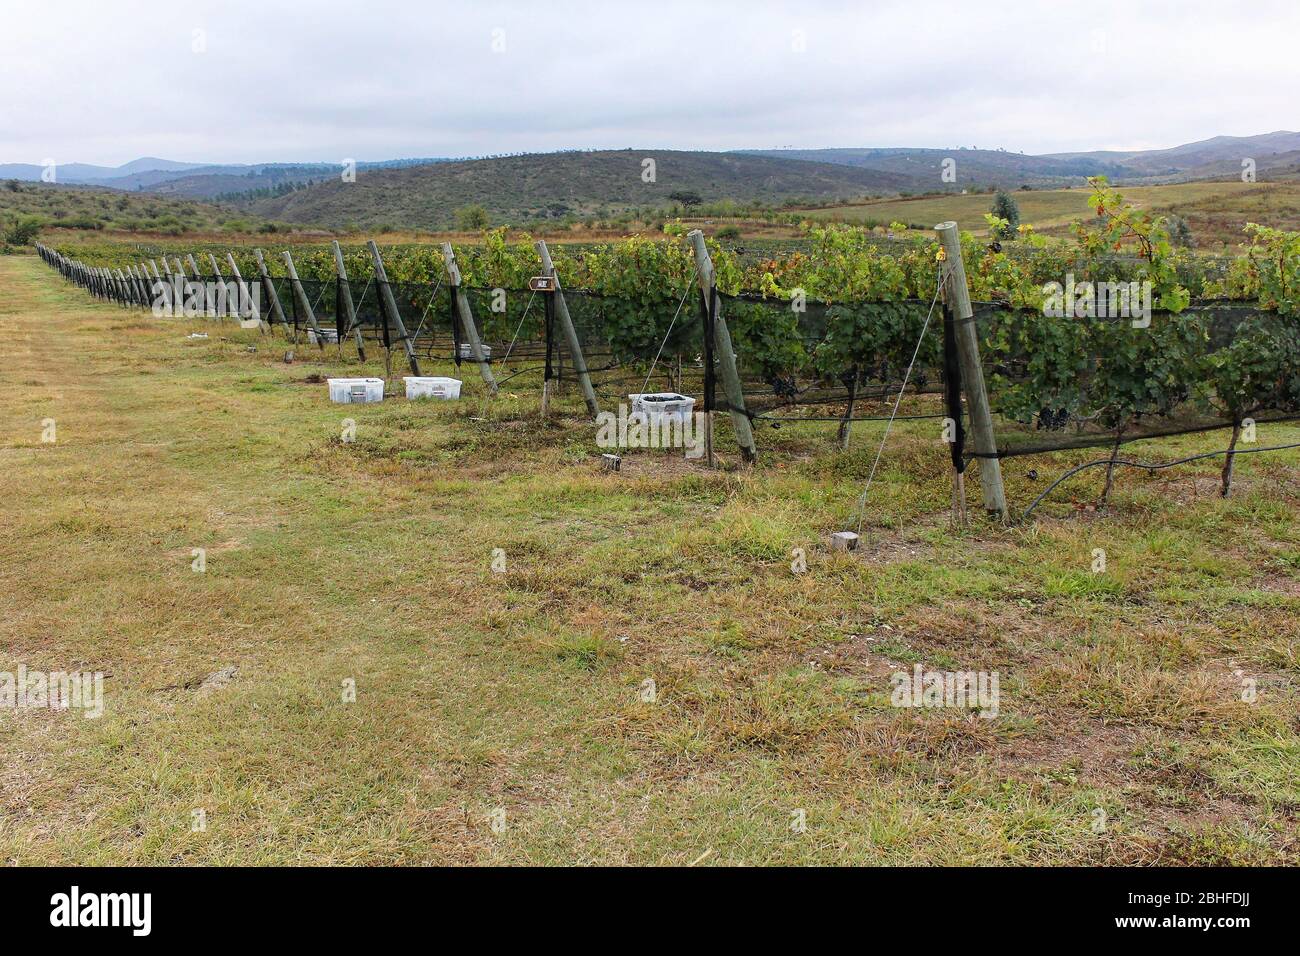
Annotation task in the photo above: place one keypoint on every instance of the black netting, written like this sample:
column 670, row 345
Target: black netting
column 1053, row 381
column 818, row 361
column 1065, row 382
column 634, row 345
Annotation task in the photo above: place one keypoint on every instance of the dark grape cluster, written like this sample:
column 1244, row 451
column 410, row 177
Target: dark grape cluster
column 784, row 387
column 1053, row 420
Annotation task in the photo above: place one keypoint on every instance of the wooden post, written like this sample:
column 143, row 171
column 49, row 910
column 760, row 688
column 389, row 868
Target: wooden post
column 972, row 373
column 220, row 294
column 726, row 354
column 467, row 317
column 303, row 302
column 244, row 296
column 146, row 286
column 271, row 294
column 570, row 333
column 349, row 310
column 390, row 307
column 208, row 309
column 137, row 291
column 160, row 282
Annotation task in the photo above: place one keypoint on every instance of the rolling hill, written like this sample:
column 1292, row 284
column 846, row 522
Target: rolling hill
column 557, row 185
column 193, row 180
column 531, row 188
column 1215, row 158
column 984, row 167
column 91, row 208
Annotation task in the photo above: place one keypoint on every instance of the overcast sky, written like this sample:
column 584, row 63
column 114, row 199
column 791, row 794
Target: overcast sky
column 106, row 82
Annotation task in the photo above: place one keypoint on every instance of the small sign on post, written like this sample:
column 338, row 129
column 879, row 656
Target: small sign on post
column 542, row 283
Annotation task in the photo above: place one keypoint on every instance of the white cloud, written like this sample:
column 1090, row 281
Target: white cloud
column 325, row 80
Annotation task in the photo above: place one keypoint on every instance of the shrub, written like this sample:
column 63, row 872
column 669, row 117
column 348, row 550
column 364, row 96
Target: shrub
column 1004, row 207
column 472, row 218
column 23, row 230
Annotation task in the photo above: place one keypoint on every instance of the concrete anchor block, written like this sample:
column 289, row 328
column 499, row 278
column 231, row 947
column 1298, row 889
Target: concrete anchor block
column 844, row 541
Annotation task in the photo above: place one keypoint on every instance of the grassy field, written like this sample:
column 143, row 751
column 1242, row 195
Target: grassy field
column 1122, row 736
column 1216, row 211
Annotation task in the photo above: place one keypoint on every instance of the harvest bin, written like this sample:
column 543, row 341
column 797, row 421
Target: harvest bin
column 431, row 386
column 662, row 405
column 349, row 390
column 330, row 336
column 467, row 354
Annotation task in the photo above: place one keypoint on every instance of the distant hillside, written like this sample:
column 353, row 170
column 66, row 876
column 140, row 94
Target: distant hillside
column 193, row 180
column 558, row 185
column 1207, row 159
column 973, row 167
column 84, row 173
column 424, row 193
column 213, row 182
column 58, row 205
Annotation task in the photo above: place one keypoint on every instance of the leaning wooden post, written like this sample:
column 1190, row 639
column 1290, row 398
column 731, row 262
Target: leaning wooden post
column 246, row 298
column 137, row 290
column 145, row 283
column 137, row 293
column 570, row 333
column 972, row 372
column 220, row 293
column 390, row 307
column 722, row 346
column 208, row 309
column 349, row 310
column 303, row 302
column 156, row 290
column 159, row 285
column 467, row 317
column 271, row 295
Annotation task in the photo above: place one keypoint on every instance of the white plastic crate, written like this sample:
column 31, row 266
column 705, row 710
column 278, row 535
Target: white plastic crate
column 349, row 390
column 662, row 405
column 331, row 336
column 432, row 386
column 467, row 353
